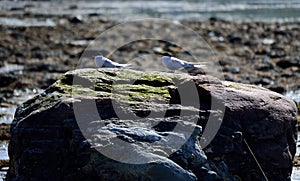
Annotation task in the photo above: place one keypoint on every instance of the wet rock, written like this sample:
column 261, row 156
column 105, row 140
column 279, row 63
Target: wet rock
column 4, row 131
column 286, row 63
column 226, row 62
column 7, row 79
column 278, row 89
column 6, row 92
column 250, row 43
column 17, row 8
column 214, row 33
column 234, row 39
column 264, row 81
column 73, row 6
column 231, row 77
column 215, row 19
column 42, row 54
column 55, row 136
column 233, row 70
column 281, row 32
column 277, row 53
column 267, row 41
column 76, row 19
column 265, row 65
column 287, row 73
column 12, row 68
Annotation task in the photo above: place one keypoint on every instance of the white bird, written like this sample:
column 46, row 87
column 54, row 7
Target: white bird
column 173, row 63
column 103, row 62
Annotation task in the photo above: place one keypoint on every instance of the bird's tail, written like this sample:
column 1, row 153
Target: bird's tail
column 126, row 66
column 199, row 66
column 199, row 63
column 196, row 69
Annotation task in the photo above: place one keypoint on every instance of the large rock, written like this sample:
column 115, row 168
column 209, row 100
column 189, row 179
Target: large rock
column 112, row 124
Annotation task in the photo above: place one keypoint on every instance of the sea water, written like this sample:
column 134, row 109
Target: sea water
column 195, row 10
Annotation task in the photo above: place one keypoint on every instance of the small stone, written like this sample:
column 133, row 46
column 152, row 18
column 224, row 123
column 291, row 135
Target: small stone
column 286, row 63
column 277, row 53
column 264, row 81
column 76, row 19
column 268, row 41
column 235, row 39
column 233, row 70
column 278, row 89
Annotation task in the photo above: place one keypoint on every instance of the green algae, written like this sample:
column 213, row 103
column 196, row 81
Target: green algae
column 244, row 87
column 126, row 86
column 275, row 98
column 141, row 92
column 231, row 86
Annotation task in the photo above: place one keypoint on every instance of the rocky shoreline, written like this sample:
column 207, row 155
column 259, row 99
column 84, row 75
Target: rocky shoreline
column 265, row 54
column 33, row 57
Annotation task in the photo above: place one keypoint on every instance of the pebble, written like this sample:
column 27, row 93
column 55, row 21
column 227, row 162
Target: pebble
column 76, row 19
column 235, row 39
column 267, row 41
column 278, row 89
column 277, row 53
column 286, row 63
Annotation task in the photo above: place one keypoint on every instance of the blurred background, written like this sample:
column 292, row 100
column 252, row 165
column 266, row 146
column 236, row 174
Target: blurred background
column 254, row 41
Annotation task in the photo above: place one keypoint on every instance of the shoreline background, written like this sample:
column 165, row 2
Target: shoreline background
column 128, row 10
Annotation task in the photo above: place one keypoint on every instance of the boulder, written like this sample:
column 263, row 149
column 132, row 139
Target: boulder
column 112, row 124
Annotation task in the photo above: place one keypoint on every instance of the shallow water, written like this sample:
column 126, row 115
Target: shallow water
column 7, row 109
column 3, row 150
column 12, row 68
column 120, row 10
column 296, row 170
column 32, row 22
column 294, row 95
column 3, row 156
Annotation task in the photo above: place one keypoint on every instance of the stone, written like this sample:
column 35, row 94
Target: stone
column 7, row 79
column 235, row 39
column 265, row 65
column 277, row 53
column 278, row 89
column 58, row 135
column 286, row 63
column 76, row 19
column 264, row 81
column 233, row 70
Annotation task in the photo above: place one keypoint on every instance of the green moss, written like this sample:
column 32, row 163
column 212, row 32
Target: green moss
column 234, row 87
column 254, row 87
column 141, row 92
column 127, row 86
column 243, row 87
column 157, row 78
column 42, row 101
column 275, row 98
